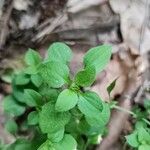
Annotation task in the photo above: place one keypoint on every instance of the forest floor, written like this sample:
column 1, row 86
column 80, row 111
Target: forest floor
column 82, row 24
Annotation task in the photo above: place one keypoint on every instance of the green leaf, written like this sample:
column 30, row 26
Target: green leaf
column 56, row 136
column 12, row 107
column 49, row 93
column 86, row 129
column 11, row 126
column 101, row 119
column 31, row 70
column 22, row 79
column 59, row 52
column 90, row 104
column 147, row 103
column 143, row 135
column 98, row 57
column 2, row 145
column 104, row 115
column 97, row 113
column 36, row 79
column 67, row 99
column 86, row 77
column 52, row 121
column 7, row 75
column 132, row 139
column 67, row 143
column 144, row 147
column 32, row 97
column 54, row 73
column 22, row 144
column 18, row 93
column 32, row 57
column 33, row 118
column 111, row 86
column 140, row 124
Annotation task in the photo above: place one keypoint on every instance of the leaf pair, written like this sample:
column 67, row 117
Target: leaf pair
column 55, row 71
column 96, row 112
column 95, row 60
column 22, row 79
column 85, row 77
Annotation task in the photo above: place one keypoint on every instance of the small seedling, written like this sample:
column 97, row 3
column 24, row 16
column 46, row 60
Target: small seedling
column 53, row 109
column 140, row 136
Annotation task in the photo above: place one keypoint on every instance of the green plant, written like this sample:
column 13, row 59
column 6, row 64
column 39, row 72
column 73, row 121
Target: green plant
column 54, row 109
column 140, row 137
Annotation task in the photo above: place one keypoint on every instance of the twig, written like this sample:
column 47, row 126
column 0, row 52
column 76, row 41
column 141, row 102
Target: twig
column 44, row 24
column 124, row 110
column 131, row 113
column 47, row 30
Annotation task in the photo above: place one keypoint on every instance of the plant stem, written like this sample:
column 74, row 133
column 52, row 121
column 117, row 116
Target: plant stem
column 125, row 110
column 86, row 145
column 131, row 113
column 146, row 121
